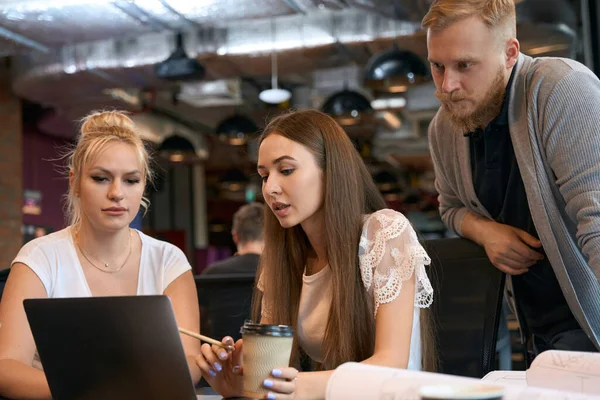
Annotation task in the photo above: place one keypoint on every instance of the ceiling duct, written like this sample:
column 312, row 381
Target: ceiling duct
column 67, row 55
column 221, row 92
column 77, row 71
column 402, row 10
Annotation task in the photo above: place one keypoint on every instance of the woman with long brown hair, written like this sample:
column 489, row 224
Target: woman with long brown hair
column 345, row 272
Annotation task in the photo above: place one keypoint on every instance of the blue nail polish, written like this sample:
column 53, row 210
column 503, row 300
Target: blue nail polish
column 268, row 383
column 218, row 367
column 212, row 373
column 223, row 355
column 271, row 396
column 276, row 372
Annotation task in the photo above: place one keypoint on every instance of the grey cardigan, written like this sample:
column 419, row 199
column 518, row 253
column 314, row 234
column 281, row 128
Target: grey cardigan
column 554, row 121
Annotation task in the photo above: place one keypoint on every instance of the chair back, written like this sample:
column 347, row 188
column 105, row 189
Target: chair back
column 225, row 303
column 468, row 293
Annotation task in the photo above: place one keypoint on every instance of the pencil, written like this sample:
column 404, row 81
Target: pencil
column 206, row 339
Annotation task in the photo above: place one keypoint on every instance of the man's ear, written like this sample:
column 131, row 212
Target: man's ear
column 236, row 239
column 512, row 50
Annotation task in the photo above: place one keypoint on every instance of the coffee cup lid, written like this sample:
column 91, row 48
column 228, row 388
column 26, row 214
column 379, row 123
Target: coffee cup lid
column 251, row 328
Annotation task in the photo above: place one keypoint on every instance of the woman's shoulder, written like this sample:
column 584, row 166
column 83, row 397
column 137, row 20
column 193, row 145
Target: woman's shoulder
column 384, row 226
column 389, row 254
column 53, row 242
column 159, row 247
column 45, row 255
column 383, row 218
column 385, row 213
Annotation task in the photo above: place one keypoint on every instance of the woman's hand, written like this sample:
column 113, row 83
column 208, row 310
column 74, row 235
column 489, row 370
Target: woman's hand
column 221, row 369
column 281, row 384
column 224, row 372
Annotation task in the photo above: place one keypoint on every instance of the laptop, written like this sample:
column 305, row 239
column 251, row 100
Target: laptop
column 110, row 348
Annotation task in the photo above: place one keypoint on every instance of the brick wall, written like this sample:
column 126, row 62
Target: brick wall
column 43, row 171
column 11, row 176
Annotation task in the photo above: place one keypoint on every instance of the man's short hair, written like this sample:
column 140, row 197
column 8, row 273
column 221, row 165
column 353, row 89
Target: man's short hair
column 248, row 222
column 493, row 13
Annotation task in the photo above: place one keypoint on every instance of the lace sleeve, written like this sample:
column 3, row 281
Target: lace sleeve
column 265, row 311
column 389, row 255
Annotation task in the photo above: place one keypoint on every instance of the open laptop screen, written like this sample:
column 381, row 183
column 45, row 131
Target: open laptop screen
column 110, row 348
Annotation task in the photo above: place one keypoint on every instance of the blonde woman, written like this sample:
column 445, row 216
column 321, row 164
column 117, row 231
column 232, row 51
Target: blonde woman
column 97, row 254
column 347, row 273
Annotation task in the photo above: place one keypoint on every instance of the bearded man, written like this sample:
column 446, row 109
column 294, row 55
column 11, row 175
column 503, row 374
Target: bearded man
column 516, row 151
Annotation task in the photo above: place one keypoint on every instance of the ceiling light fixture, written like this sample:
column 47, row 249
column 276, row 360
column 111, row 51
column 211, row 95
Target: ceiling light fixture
column 347, row 107
column 178, row 149
column 236, row 130
column 394, row 70
column 275, row 95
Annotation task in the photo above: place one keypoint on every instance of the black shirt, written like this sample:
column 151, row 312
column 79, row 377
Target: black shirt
column 498, row 184
column 242, row 264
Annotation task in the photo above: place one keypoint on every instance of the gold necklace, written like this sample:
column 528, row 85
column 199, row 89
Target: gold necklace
column 105, row 264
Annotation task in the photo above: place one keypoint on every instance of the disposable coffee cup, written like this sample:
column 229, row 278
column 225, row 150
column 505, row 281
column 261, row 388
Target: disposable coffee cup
column 461, row 392
column 266, row 347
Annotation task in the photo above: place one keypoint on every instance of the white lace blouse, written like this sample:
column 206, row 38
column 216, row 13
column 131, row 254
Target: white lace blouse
column 389, row 255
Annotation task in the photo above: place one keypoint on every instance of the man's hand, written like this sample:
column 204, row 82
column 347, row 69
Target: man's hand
column 510, row 249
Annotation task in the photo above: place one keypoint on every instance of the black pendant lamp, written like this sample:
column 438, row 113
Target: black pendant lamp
column 179, row 66
column 234, row 180
column 236, row 130
column 386, row 181
column 178, row 149
column 348, row 107
column 394, row 70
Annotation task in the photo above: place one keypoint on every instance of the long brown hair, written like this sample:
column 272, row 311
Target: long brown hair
column 349, row 193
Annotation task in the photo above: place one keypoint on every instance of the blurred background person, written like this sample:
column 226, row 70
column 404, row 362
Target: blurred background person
column 247, row 233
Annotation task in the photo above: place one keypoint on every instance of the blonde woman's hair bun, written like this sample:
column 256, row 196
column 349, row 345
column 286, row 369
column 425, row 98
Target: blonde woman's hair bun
column 108, row 122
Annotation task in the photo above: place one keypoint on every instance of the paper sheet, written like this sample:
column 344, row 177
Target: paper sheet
column 354, row 381
column 566, row 370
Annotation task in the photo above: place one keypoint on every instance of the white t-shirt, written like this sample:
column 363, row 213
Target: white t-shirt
column 54, row 260
column 389, row 254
